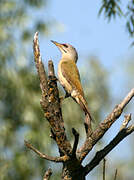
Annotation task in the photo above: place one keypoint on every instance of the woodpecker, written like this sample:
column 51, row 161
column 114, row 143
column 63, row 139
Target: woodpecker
column 68, row 75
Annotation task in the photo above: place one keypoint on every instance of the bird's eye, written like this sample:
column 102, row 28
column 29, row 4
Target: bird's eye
column 66, row 46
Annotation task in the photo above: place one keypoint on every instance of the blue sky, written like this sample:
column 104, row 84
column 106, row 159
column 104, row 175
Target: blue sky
column 91, row 35
column 88, row 33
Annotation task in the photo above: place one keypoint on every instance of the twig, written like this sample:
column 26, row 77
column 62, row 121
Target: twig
column 102, row 153
column 127, row 99
column 87, row 124
column 115, row 176
column 104, row 168
column 127, row 119
column 76, row 140
column 103, row 127
column 47, row 175
column 44, row 156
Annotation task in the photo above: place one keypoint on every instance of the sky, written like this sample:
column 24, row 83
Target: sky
column 79, row 25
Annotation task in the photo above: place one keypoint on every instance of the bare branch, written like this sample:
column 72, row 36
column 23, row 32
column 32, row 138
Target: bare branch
column 47, row 175
column 76, row 140
column 51, row 68
column 127, row 119
column 102, row 153
column 44, row 156
column 103, row 127
column 36, row 48
column 71, row 157
column 104, row 168
column 87, row 125
column 39, row 65
column 50, row 101
column 127, row 99
column 115, row 176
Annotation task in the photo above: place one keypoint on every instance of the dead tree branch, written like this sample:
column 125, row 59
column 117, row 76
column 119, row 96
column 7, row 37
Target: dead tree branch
column 127, row 119
column 71, row 158
column 44, row 156
column 50, row 101
column 115, row 176
column 103, row 127
column 88, row 126
column 76, row 140
column 47, row 175
column 104, row 169
column 102, row 153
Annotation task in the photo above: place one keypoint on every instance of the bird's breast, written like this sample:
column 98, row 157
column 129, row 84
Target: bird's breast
column 66, row 85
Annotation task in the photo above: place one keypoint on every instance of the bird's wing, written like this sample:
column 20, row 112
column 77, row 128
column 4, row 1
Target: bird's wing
column 71, row 74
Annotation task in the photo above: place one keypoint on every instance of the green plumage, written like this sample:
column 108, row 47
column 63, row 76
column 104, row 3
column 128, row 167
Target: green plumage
column 71, row 74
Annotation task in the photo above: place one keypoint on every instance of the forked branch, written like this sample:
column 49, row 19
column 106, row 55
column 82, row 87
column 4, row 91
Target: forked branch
column 103, row 127
column 102, row 153
column 71, row 157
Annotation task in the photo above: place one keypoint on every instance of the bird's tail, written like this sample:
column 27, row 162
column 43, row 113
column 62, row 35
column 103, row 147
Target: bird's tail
column 83, row 105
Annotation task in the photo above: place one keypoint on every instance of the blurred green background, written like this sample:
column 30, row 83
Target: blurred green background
column 106, row 79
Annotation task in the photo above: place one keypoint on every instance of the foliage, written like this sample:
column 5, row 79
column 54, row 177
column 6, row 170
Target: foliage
column 20, row 112
column 112, row 8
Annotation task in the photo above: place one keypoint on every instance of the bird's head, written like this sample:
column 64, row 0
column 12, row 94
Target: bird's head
column 67, row 50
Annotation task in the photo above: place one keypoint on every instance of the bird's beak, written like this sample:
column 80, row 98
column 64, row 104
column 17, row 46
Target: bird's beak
column 57, row 44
